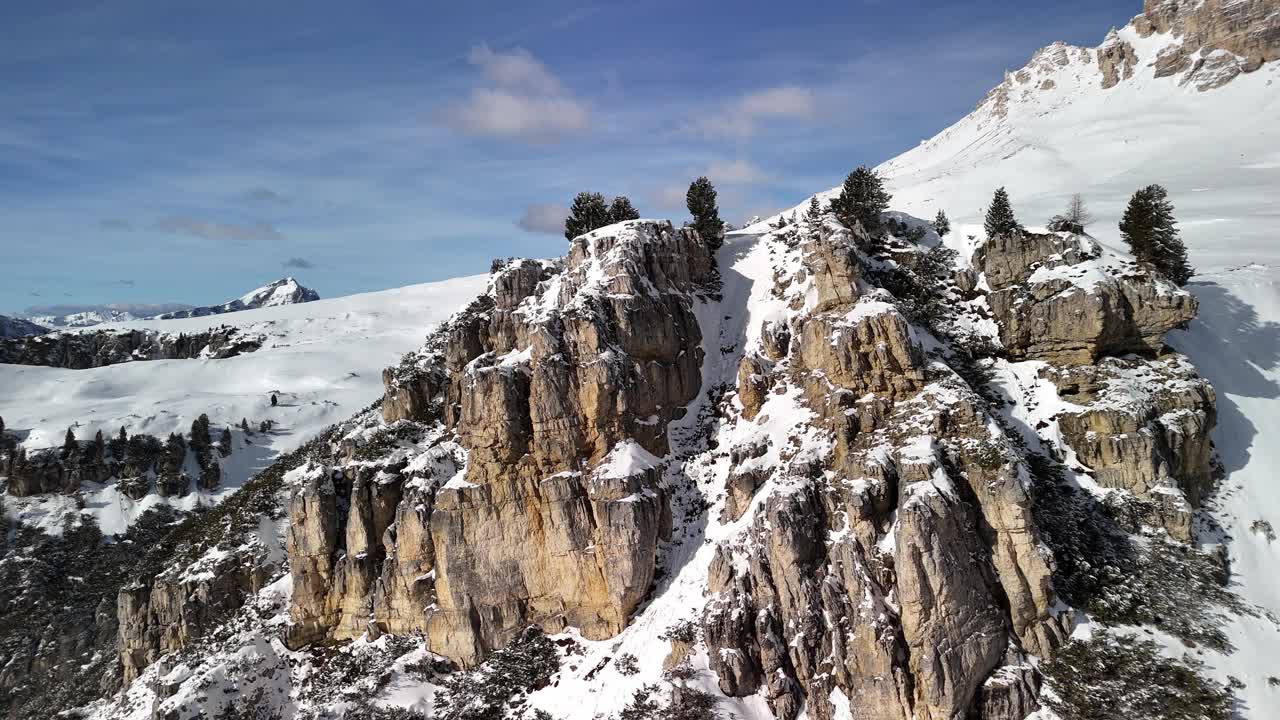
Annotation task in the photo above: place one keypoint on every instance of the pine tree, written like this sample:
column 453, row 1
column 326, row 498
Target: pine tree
column 861, row 200
column 274, row 400
column 941, row 224
column 701, row 200
column 587, row 213
column 124, row 437
column 99, row 446
column 1000, row 219
column 224, row 442
column 813, row 219
column 621, row 209
column 69, row 443
column 1, row 427
column 200, row 431
column 1151, row 232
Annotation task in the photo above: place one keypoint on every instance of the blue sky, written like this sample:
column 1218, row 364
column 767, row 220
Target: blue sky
column 163, row 151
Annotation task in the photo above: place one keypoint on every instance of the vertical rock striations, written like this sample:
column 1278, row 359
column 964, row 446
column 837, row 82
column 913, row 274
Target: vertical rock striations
column 548, row 401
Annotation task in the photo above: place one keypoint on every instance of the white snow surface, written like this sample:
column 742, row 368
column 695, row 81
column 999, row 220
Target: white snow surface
column 323, row 359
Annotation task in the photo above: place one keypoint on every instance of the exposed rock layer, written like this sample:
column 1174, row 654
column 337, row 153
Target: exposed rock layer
column 98, row 348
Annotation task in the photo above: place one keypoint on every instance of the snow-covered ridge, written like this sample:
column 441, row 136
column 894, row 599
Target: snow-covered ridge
column 285, row 291
column 18, row 327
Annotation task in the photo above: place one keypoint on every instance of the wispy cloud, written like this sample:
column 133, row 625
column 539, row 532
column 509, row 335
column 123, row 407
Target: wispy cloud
column 212, row 230
column 266, row 195
column 523, row 100
column 742, row 118
column 735, row 172
column 115, row 224
column 543, row 218
column 300, row 263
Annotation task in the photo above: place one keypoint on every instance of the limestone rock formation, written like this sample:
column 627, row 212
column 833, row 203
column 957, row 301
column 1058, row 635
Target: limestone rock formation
column 162, row 614
column 877, row 543
column 1143, row 427
column 1247, row 29
column 1116, row 59
column 1054, row 299
column 554, row 392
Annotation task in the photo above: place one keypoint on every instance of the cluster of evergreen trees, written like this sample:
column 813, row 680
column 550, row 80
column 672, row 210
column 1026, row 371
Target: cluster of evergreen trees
column 589, row 211
column 1148, row 228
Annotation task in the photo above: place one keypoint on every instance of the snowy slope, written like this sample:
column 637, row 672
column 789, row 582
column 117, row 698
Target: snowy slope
column 323, row 358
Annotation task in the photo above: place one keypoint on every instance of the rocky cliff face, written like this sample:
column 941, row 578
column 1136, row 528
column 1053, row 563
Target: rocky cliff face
column 801, row 464
column 547, row 402
column 99, row 348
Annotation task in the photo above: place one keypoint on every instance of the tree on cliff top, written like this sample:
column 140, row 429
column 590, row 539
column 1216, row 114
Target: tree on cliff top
column 588, row 212
column 862, row 198
column 701, row 200
column 1000, row 219
column 1151, row 232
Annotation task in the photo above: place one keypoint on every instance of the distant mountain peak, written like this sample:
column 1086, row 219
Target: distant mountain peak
column 285, row 291
column 11, row 327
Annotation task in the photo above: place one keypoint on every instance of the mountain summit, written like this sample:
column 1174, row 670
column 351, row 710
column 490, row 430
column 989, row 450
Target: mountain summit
column 285, row 291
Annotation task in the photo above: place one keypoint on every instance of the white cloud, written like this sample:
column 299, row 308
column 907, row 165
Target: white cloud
column 787, row 101
column 523, row 100
column 544, row 218
column 741, row 119
column 516, row 69
column 734, row 172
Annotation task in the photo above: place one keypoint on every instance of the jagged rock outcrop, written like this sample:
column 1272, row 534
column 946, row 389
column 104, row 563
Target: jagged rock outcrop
column 1234, row 36
column 1116, row 59
column 556, row 389
column 162, row 614
column 1143, row 427
column 879, row 547
column 901, row 571
column 98, row 348
column 1054, row 299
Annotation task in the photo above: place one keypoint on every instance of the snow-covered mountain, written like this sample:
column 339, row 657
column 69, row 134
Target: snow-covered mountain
column 82, row 318
column 775, row 484
column 17, row 327
column 285, row 291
